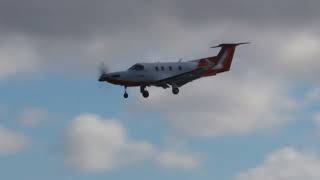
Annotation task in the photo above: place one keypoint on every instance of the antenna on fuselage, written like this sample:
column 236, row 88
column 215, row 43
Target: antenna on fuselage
column 180, row 60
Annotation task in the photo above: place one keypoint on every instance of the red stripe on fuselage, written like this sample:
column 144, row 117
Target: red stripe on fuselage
column 205, row 62
column 215, row 60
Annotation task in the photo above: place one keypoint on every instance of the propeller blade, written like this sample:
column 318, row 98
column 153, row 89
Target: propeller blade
column 103, row 69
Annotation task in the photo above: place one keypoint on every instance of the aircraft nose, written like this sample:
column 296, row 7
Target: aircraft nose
column 108, row 77
column 103, row 77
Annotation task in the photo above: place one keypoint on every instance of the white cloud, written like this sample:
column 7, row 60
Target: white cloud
column 302, row 47
column 11, row 142
column 94, row 144
column 298, row 57
column 172, row 159
column 17, row 56
column 32, row 117
column 285, row 164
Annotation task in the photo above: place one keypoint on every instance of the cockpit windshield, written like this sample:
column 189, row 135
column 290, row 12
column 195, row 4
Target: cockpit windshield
column 137, row 67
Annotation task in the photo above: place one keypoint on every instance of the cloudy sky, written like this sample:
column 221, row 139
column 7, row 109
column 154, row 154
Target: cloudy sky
column 261, row 120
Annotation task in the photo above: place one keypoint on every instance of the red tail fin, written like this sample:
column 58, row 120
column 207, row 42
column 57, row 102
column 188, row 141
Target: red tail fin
column 225, row 56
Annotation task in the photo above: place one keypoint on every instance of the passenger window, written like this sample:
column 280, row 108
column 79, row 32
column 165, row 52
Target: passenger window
column 162, row 68
column 180, row 68
column 170, row 68
column 157, row 68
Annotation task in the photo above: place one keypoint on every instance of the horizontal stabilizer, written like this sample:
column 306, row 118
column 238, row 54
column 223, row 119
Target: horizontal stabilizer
column 230, row 44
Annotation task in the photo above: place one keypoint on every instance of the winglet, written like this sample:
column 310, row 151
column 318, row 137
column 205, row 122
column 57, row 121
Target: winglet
column 230, row 44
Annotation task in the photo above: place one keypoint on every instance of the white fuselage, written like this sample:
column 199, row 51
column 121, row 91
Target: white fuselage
column 148, row 73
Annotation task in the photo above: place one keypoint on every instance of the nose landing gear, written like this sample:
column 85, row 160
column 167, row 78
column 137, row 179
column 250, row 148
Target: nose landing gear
column 125, row 95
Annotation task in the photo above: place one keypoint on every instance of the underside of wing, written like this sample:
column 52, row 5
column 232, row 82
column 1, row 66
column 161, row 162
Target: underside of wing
column 181, row 79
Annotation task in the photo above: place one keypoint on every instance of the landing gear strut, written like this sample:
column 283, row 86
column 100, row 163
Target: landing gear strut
column 144, row 92
column 125, row 95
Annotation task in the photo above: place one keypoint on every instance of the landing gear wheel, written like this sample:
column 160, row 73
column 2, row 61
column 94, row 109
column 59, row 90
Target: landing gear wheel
column 145, row 94
column 125, row 95
column 175, row 91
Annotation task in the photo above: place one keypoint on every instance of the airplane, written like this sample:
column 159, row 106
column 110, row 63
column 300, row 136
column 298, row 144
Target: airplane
column 171, row 74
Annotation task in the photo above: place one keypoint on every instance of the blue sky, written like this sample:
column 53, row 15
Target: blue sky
column 258, row 121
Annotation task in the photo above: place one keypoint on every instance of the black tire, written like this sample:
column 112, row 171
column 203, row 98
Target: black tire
column 175, row 91
column 125, row 95
column 145, row 94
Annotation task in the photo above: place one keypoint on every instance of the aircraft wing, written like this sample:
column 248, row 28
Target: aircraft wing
column 182, row 79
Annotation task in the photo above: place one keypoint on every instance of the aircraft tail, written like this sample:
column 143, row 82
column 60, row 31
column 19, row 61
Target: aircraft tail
column 225, row 56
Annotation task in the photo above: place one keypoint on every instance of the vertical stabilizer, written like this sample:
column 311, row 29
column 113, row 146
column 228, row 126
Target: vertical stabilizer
column 225, row 56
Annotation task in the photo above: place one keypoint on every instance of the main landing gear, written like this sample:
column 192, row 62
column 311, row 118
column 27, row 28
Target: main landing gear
column 175, row 90
column 144, row 92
